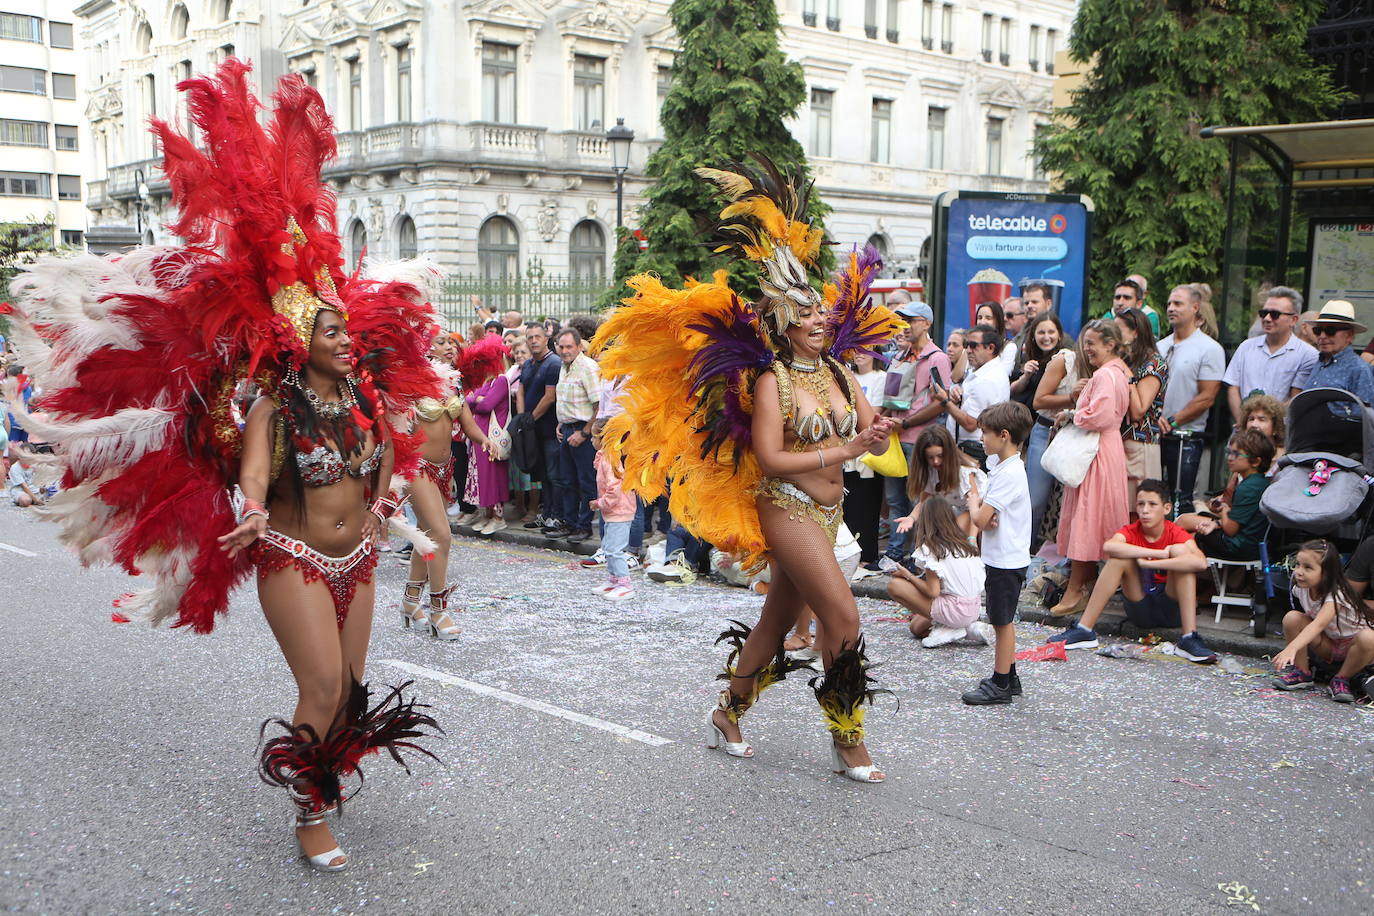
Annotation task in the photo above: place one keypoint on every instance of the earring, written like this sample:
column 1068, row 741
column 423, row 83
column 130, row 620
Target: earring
column 291, row 378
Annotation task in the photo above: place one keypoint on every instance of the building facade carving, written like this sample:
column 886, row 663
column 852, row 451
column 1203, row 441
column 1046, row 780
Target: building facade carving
column 450, row 115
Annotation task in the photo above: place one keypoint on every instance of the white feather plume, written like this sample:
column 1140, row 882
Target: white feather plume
column 424, row 273
column 102, row 443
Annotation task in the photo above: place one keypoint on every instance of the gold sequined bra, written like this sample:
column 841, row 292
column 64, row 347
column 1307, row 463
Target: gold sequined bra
column 431, row 409
column 820, row 424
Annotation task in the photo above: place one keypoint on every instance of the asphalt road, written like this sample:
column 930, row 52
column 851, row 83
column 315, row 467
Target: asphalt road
column 127, row 779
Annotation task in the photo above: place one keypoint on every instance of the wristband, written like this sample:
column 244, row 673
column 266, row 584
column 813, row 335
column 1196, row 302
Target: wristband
column 383, row 508
column 250, row 508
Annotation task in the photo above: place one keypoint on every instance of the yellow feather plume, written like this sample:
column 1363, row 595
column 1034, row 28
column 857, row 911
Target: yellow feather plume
column 732, row 184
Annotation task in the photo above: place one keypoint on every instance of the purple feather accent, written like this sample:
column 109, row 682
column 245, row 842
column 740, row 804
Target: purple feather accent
column 844, row 332
column 736, row 347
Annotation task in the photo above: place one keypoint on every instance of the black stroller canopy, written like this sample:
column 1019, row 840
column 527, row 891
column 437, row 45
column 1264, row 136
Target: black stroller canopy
column 1331, row 420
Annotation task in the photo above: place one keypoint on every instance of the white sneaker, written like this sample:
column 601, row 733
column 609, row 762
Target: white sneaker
column 675, row 570
column 632, row 562
column 943, row 636
column 493, row 526
column 466, row 519
column 654, row 555
column 603, row 588
column 982, row 633
column 618, row 593
column 454, row 511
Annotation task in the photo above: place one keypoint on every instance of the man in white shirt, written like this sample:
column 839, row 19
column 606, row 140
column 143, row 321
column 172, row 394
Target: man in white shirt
column 986, row 385
column 1196, row 366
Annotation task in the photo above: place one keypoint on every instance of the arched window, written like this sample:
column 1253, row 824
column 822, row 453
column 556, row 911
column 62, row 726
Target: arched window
column 221, row 8
column 498, row 248
column 587, row 251
column 143, row 37
column 406, row 243
column 357, row 241
column 181, row 22
column 879, row 241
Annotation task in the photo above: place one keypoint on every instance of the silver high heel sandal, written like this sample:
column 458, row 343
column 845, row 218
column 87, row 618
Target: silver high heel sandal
column 866, row 773
column 715, row 738
column 410, row 603
column 325, row 861
column 441, row 623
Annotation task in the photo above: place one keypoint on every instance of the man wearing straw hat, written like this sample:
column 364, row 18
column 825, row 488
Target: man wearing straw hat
column 1338, row 366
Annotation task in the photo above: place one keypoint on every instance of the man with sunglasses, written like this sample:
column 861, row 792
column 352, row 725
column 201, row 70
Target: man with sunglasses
column 1339, row 366
column 1277, row 362
column 1130, row 294
column 986, row 385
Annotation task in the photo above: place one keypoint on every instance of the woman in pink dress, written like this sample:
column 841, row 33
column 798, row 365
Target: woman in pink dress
column 489, row 396
column 1094, row 510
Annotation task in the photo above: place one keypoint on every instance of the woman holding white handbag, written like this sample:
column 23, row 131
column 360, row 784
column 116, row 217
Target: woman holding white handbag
column 489, row 396
column 1095, row 508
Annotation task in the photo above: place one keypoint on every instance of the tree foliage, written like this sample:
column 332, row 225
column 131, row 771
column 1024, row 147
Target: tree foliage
column 1160, row 71
column 20, row 243
column 732, row 91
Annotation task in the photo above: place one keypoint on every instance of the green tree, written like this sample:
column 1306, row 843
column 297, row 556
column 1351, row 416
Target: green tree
column 1158, row 72
column 732, row 91
column 20, row 243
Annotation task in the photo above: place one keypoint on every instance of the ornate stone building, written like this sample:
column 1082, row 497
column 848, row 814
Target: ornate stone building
column 476, row 130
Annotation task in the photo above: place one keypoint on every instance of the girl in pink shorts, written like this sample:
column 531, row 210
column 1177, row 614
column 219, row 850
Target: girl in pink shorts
column 942, row 583
column 1333, row 624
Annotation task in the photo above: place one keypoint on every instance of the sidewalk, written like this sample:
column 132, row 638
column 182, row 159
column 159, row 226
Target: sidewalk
column 1231, row 635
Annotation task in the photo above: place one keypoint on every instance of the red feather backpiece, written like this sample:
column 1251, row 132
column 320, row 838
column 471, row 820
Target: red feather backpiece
column 138, row 355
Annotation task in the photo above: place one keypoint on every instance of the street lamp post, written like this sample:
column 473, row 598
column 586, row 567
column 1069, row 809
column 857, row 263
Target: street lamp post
column 141, row 199
column 620, row 137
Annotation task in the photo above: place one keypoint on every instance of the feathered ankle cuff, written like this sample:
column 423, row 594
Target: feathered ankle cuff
column 842, row 691
column 775, row 671
column 313, row 769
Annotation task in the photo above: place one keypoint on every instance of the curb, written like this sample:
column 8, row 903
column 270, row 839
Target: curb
column 1111, row 624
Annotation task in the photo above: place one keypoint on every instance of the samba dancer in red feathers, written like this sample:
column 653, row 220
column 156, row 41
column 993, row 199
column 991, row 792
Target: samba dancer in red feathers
column 140, row 355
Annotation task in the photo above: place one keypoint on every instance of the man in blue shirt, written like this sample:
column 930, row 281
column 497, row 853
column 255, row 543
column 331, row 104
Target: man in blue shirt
column 539, row 381
column 1338, row 366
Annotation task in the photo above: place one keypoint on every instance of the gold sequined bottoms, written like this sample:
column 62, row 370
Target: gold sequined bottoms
column 793, row 500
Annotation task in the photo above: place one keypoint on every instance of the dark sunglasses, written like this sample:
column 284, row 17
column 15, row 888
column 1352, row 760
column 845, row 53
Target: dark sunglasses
column 1273, row 313
column 1319, row 331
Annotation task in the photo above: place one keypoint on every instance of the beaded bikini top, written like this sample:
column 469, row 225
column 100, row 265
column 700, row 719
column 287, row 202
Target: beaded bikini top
column 819, row 425
column 323, row 466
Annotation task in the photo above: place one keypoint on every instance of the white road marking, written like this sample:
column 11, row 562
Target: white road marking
column 19, row 550
column 452, row 680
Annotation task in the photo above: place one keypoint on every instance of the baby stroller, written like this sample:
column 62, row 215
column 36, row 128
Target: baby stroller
column 1321, row 487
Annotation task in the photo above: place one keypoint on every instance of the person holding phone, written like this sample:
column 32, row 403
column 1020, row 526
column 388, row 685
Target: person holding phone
column 986, row 385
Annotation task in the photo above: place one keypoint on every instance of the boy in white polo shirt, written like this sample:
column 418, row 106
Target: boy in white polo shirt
column 1003, row 514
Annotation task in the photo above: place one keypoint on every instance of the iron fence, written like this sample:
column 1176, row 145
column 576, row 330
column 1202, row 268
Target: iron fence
column 536, row 295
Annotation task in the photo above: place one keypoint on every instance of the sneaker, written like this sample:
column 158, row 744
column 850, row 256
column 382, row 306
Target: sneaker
column 403, row 555
column 466, row 519
column 674, row 569
column 887, row 564
column 864, row 571
column 537, row 522
column 943, row 636
column 1076, row 637
column 631, row 562
column 454, row 511
column 497, row 524
column 618, row 593
column 1194, row 649
column 982, row 633
column 1340, row 690
column 603, row 588
column 1293, row 678
column 558, row 532
column 595, row 560
column 580, row 535
column 1016, row 685
column 987, row 693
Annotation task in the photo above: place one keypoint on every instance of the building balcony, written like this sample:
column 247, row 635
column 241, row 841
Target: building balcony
column 390, row 144
column 96, row 197
column 490, row 141
column 121, row 181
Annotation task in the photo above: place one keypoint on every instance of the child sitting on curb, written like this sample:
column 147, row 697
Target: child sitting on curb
column 1331, row 623
column 946, row 589
column 1155, row 564
column 618, row 512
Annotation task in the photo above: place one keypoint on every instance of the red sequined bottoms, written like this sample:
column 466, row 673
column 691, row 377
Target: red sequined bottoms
column 441, row 474
column 274, row 551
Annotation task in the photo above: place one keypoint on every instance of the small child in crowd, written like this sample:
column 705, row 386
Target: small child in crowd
column 618, row 512
column 20, row 481
column 1155, row 564
column 1332, row 624
column 1004, row 517
column 939, row 467
column 946, row 587
column 1234, row 530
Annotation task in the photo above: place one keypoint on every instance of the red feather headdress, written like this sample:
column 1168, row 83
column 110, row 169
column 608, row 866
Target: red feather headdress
column 140, row 355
